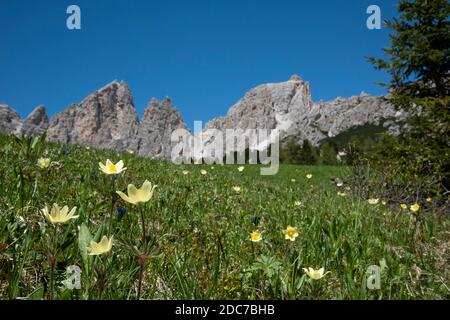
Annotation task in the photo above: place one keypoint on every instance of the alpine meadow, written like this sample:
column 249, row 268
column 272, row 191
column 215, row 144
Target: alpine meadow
column 95, row 204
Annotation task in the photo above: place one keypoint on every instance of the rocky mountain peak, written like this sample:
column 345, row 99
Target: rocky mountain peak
column 159, row 120
column 36, row 123
column 9, row 120
column 107, row 118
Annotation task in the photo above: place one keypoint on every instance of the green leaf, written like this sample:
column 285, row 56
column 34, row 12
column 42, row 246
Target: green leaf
column 37, row 294
column 84, row 239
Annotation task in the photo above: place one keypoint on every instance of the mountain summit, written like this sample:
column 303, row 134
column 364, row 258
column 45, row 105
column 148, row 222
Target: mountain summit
column 108, row 119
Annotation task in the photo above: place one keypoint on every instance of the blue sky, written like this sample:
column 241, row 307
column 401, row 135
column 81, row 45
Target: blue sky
column 203, row 54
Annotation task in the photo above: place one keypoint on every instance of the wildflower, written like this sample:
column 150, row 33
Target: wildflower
column 185, row 172
column 292, row 180
column 373, row 201
column 43, row 163
column 101, row 247
column 256, row 236
column 130, row 151
column 237, row 189
column 428, row 199
column 110, row 168
column 203, row 172
column 414, row 208
column 135, row 195
column 59, row 215
column 403, row 206
column 315, row 274
column 290, row 233
column 121, row 212
column 255, row 220
column 309, row 176
column 342, row 194
column 383, row 203
column 241, row 168
column 297, row 203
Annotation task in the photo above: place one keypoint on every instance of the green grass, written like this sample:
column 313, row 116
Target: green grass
column 199, row 232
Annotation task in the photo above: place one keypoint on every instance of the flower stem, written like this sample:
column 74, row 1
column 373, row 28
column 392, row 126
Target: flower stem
column 141, row 273
column 144, row 232
column 113, row 186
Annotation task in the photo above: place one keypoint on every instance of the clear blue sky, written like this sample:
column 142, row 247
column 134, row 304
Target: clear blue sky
column 203, row 54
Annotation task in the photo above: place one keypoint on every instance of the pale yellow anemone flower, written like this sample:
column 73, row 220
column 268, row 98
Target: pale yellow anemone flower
column 403, row 206
column 414, row 208
column 373, row 201
column 43, row 163
column 315, row 274
column 237, row 189
column 185, row 172
column 59, row 215
column 135, row 195
column 256, row 236
column 101, row 247
column 428, row 199
column 297, row 203
column 309, row 176
column 111, row 168
column 342, row 194
column 241, row 168
column 290, row 233
column 203, row 172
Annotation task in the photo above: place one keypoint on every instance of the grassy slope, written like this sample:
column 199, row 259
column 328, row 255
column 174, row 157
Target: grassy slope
column 200, row 228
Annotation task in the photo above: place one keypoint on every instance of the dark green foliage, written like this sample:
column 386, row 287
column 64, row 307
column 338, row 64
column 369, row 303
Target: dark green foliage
column 293, row 153
column 417, row 162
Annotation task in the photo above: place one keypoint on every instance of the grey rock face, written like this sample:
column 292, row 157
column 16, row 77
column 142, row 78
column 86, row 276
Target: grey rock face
column 36, row 123
column 288, row 107
column 160, row 119
column 9, row 120
column 105, row 119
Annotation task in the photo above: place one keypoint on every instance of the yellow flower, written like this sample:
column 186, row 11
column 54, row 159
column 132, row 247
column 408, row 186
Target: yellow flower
column 290, row 233
column 373, row 201
column 342, row 194
column 237, row 189
column 135, row 195
column 111, row 168
column 292, row 180
column 101, row 247
column 297, row 203
column 43, row 163
column 59, row 215
column 203, row 172
column 315, row 274
column 256, row 236
column 383, row 203
column 241, row 168
column 414, row 208
column 309, row 176
column 403, row 206
column 185, row 172
column 428, row 199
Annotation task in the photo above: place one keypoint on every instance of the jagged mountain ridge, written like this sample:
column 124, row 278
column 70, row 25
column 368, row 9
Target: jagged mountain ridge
column 107, row 118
